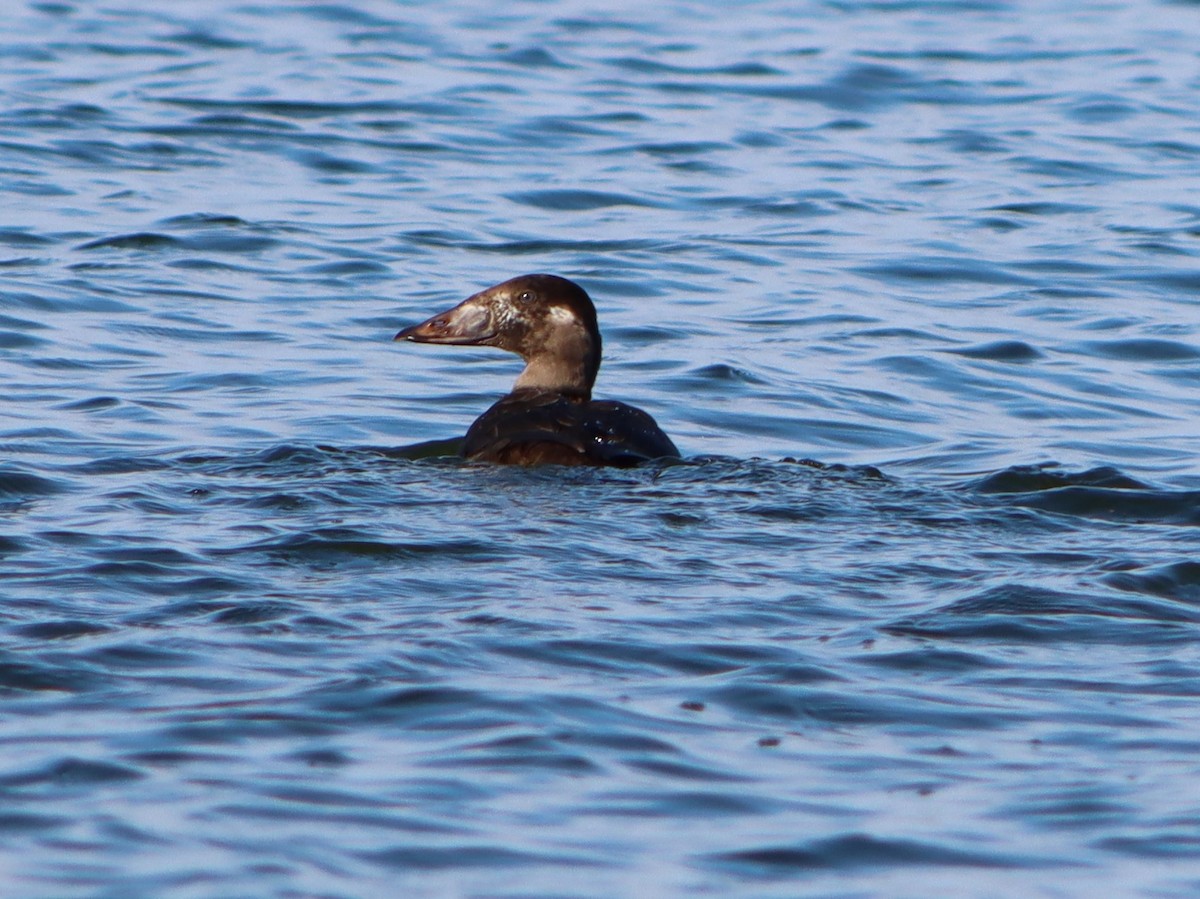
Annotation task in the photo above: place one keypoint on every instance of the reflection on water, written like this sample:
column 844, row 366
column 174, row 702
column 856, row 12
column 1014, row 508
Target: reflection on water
column 911, row 285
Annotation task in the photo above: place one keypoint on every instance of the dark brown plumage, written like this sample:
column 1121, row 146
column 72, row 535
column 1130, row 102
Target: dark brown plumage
column 550, row 416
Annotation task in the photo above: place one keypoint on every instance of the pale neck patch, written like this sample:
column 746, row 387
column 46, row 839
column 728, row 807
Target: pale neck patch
column 562, row 315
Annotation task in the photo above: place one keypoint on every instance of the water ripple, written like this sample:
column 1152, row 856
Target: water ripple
column 912, row 284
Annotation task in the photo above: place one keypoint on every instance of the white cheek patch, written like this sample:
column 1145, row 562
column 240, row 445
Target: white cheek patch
column 561, row 315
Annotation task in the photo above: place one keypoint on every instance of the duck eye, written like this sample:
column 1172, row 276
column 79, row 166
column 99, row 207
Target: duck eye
column 526, row 296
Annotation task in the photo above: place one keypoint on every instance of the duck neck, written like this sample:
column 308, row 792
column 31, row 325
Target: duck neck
column 566, row 362
column 558, row 375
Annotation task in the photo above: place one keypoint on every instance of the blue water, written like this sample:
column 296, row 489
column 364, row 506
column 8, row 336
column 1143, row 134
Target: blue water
column 914, row 286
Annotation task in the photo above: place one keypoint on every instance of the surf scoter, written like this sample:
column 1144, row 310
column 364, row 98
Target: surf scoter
column 550, row 415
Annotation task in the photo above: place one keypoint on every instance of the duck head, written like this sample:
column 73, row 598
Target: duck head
column 548, row 321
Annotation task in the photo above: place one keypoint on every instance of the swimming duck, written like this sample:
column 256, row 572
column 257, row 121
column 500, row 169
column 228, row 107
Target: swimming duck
column 550, row 416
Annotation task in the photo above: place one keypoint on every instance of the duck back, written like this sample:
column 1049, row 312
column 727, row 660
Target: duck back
column 530, row 427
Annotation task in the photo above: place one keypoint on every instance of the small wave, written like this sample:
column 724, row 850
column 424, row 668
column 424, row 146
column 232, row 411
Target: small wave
column 1028, row 613
column 1179, row 581
column 340, row 546
column 21, row 237
column 430, row 858
column 1143, row 349
column 302, row 109
column 534, row 246
column 22, row 675
column 656, row 66
column 20, row 484
column 203, row 241
column 60, row 630
column 74, row 770
column 1000, row 351
column 1033, row 478
column 1100, row 493
column 576, row 200
column 970, row 271
column 139, row 240
column 861, row 88
column 862, row 850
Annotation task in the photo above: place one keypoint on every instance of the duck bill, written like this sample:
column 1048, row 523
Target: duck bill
column 467, row 324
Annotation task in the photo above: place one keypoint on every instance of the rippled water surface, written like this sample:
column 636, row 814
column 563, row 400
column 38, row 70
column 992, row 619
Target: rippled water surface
column 914, row 286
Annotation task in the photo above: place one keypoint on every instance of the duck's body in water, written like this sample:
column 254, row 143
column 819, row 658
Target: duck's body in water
column 550, row 415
